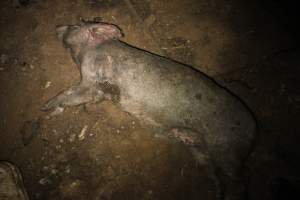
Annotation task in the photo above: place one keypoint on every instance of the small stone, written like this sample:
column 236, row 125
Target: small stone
column 82, row 134
column 75, row 184
column 114, row 18
column 54, row 171
column 91, row 134
column 44, row 181
column 48, row 84
column 68, row 169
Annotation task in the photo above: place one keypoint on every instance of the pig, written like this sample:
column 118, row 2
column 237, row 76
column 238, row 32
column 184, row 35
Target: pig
column 178, row 101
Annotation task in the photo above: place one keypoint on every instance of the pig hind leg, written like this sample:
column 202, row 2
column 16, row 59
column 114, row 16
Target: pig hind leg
column 197, row 146
column 224, row 174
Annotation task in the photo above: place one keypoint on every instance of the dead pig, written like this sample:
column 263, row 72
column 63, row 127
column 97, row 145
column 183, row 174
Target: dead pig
column 175, row 99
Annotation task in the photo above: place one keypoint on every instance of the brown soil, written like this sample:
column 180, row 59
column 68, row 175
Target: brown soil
column 99, row 152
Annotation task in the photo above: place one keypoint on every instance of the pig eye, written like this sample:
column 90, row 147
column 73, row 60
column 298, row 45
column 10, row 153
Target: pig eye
column 74, row 27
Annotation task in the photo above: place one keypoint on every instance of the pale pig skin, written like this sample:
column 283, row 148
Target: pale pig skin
column 175, row 99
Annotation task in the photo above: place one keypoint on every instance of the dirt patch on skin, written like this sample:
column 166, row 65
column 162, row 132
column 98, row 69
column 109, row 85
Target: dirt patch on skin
column 99, row 152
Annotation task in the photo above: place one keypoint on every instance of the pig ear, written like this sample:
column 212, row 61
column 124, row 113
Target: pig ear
column 106, row 31
column 60, row 31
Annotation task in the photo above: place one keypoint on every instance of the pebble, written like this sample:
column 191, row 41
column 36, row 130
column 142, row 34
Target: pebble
column 44, row 181
column 48, row 84
column 68, row 169
column 82, row 134
column 54, row 171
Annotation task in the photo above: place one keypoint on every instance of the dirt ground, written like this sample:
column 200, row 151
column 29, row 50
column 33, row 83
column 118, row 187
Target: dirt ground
column 99, row 152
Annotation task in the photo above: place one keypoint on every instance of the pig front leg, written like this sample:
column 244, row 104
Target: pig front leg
column 87, row 90
column 75, row 95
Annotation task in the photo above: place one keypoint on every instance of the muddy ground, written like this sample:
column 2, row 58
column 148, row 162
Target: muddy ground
column 99, row 152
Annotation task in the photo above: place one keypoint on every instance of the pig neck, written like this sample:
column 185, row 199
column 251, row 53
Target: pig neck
column 87, row 50
column 97, row 61
column 80, row 54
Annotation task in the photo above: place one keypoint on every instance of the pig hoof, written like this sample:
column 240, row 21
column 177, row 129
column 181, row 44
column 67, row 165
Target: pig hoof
column 52, row 104
column 57, row 111
column 46, row 107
